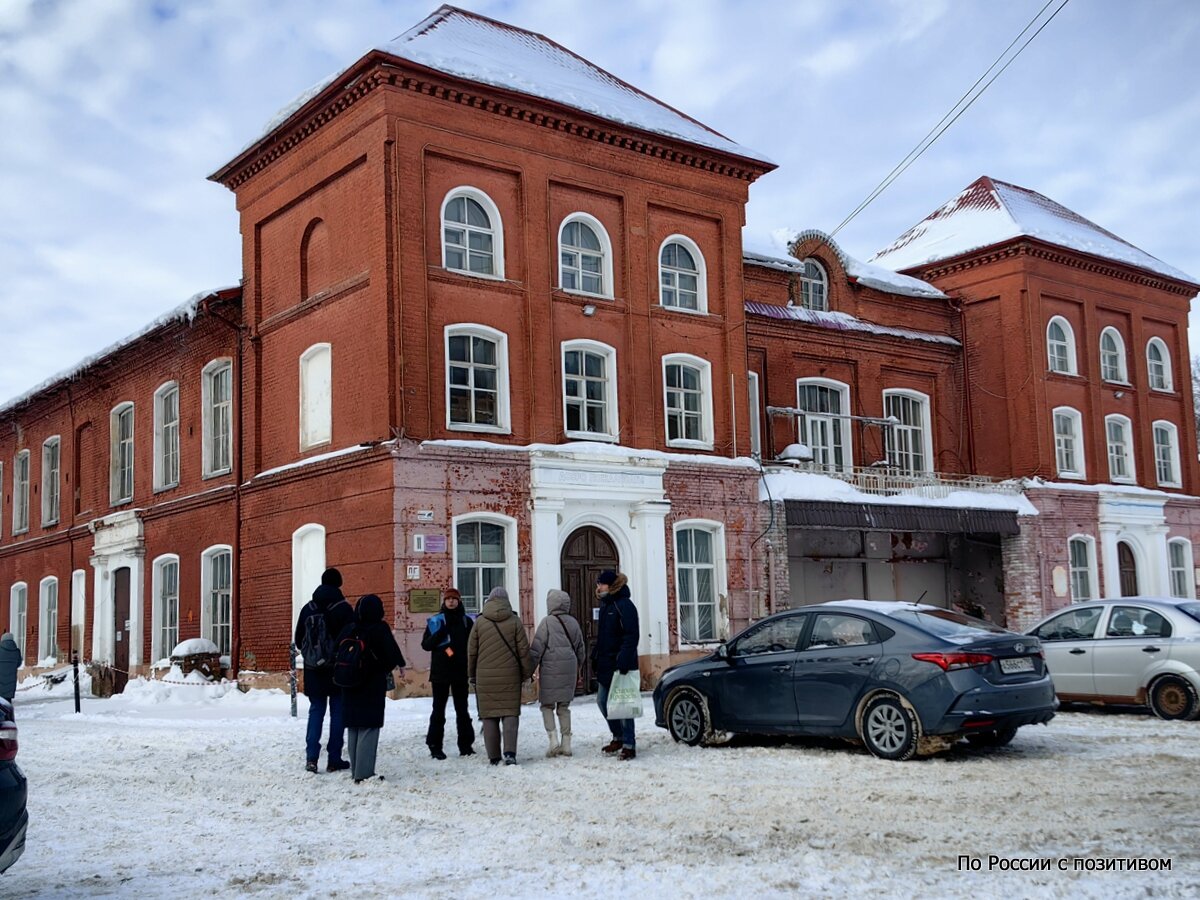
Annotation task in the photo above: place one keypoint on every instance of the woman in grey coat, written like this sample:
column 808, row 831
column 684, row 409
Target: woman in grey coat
column 559, row 650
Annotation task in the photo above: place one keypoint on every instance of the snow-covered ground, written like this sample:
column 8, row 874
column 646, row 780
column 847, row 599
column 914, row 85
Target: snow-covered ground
column 186, row 791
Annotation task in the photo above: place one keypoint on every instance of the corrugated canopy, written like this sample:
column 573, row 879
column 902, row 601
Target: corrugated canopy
column 880, row 517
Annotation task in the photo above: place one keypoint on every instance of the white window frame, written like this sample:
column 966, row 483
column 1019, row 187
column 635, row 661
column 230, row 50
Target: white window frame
column 706, row 401
column 48, row 620
column 51, row 480
column 1069, row 344
column 166, row 438
column 1076, row 435
column 606, row 253
column 18, row 613
column 926, row 428
column 1163, row 380
column 158, row 647
column 1125, row 450
column 1172, row 448
column 701, row 275
column 716, row 531
column 496, row 231
column 120, row 459
column 207, row 623
column 211, row 419
column 511, row 570
column 316, row 396
column 1180, row 577
column 78, row 608
column 20, row 497
column 848, row 435
column 307, row 565
column 1088, row 570
column 1122, row 367
column 809, row 280
column 755, row 406
column 611, row 418
column 500, row 339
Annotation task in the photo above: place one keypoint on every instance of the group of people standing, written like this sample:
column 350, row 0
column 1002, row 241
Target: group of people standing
column 490, row 655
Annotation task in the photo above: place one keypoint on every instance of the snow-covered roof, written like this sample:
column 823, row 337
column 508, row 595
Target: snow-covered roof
column 840, row 321
column 184, row 311
column 779, row 485
column 990, row 212
column 475, row 48
column 597, row 449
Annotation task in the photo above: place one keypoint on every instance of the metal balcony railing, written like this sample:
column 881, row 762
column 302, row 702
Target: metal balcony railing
column 889, row 481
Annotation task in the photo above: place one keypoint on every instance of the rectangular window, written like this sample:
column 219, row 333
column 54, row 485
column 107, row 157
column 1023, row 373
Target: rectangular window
column 480, row 562
column 48, row 630
column 18, row 609
column 1181, row 566
column 21, row 493
column 168, row 438
column 168, row 607
column 1081, row 571
column 585, row 384
column 685, row 395
column 50, row 481
column 220, row 599
column 1066, row 444
column 1118, row 451
column 905, row 438
column 695, row 572
column 474, row 380
column 1165, row 455
column 220, row 420
column 122, row 482
column 822, row 425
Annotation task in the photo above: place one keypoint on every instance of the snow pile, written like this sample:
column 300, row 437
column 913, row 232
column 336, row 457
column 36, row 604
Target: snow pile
column 840, row 321
column 56, row 684
column 868, row 275
column 177, row 689
column 784, row 485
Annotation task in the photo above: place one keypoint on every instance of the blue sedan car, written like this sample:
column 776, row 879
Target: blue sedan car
column 901, row 678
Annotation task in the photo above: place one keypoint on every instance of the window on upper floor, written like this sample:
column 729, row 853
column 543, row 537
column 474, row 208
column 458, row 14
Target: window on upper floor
column 51, row 470
column 316, row 396
column 1082, row 552
column 1179, row 562
column 166, row 436
column 476, row 379
column 48, row 621
column 909, row 439
column 1060, row 347
column 1119, row 434
column 1112, row 357
column 824, row 423
column 1158, row 365
column 1068, row 443
column 1166, row 454
column 218, row 417
column 681, row 275
column 590, row 390
column 687, row 401
column 18, row 609
column 20, row 499
column 584, row 256
column 814, row 286
column 700, row 581
column 121, row 454
column 216, row 597
column 472, row 234
column 485, row 556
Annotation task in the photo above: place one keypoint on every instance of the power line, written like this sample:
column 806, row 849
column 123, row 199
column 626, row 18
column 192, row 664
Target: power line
column 942, row 125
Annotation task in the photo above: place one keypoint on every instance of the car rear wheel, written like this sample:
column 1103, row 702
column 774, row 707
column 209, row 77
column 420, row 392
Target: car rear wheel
column 998, row 737
column 1172, row 697
column 685, row 719
column 889, row 729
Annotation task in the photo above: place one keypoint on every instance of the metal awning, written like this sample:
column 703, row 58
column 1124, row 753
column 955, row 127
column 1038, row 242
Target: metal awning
column 888, row 517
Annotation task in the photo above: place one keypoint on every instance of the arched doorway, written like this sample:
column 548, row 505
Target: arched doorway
column 1127, row 566
column 586, row 553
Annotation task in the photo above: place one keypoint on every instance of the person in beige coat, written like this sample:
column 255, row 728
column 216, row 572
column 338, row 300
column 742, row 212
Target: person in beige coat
column 558, row 650
column 497, row 663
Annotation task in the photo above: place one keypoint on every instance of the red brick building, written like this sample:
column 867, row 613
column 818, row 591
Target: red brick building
column 505, row 332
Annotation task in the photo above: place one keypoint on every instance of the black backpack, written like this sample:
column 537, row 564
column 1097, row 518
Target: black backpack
column 351, row 661
column 317, row 645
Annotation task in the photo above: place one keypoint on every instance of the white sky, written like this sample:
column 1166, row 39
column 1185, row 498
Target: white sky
column 114, row 112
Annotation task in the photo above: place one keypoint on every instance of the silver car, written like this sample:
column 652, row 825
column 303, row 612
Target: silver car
column 1134, row 650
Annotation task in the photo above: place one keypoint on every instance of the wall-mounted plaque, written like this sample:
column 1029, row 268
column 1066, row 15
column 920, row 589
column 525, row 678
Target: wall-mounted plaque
column 435, row 543
column 424, row 600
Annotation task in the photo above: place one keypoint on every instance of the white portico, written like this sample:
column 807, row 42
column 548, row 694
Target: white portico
column 117, row 560
column 1133, row 541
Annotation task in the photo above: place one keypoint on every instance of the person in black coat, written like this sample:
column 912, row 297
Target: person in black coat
column 615, row 651
column 327, row 601
column 364, row 703
column 446, row 640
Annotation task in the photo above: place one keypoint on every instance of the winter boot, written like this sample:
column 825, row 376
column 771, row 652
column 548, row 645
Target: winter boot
column 564, row 749
column 554, row 744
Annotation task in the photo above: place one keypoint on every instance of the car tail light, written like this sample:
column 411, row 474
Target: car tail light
column 8, row 740
column 948, row 661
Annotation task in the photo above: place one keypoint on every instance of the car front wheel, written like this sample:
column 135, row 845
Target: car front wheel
column 1172, row 697
column 889, row 729
column 685, row 719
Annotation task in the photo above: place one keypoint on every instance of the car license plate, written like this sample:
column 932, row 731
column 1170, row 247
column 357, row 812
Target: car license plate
column 1016, row 664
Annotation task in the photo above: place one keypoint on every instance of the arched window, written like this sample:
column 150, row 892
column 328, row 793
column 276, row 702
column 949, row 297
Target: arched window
column 165, row 611
column 1166, row 454
column 121, row 453
column 1127, row 569
column 682, row 277
column 218, row 417
column 687, row 401
column 908, row 440
column 1060, row 346
column 51, row 470
column 485, row 556
column 1179, row 561
column 316, row 396
column 472, row 234
column 700, row 581
column 476, row 379
column 590, row 390
column 216, row 597
column 814, row 286
column 824, row 425
column 1082, row 552
column 1119, row 434
column 584, row 256
column 18, row 609
column 166, row 436
column 20, row 497
column 308, row 562
column 48, row 621
column 1158, row 365
column 1068, row 443
column 1112, row 357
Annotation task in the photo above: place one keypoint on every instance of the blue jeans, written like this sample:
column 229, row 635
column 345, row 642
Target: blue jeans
column 316, row 716
column 622, row 729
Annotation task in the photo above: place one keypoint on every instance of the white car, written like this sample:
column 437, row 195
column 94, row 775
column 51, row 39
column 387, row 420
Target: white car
column 1135, row 650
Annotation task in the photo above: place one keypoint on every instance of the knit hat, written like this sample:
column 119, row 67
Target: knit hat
column 607, row 577
column 451, row 592
column 332, row 577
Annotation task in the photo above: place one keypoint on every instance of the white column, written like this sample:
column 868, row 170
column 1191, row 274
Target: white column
column 649, row 576
column 547, row 560
column 136, row 636
column 1110, row 569
column 101, row 613
column 1158, row 579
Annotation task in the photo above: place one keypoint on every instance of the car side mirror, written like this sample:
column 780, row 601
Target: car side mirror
column 723, row 651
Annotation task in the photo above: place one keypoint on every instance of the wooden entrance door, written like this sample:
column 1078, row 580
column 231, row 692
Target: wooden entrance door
column 587, row 553
column 120, row 628
column 1127, row 565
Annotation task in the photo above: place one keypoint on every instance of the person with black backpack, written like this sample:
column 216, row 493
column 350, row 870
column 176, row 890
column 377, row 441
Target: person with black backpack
column 320, row 622
column 367, row 653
